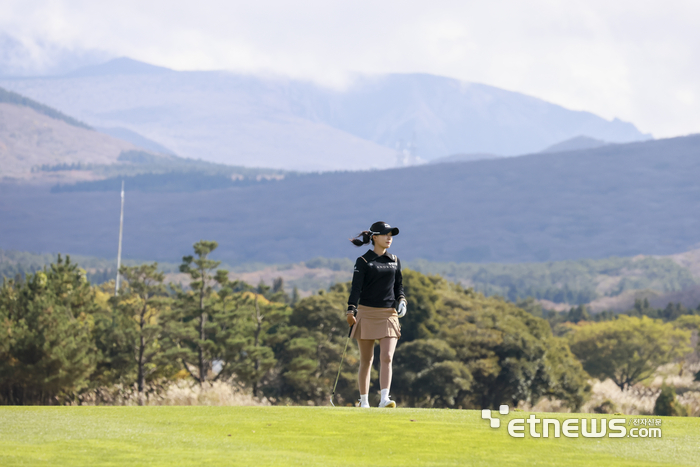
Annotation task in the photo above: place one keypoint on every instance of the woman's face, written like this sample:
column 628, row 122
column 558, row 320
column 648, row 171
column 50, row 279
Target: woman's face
column 383, row 241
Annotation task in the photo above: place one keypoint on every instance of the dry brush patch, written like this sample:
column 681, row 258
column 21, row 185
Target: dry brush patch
column 172, row 393
column 639, row 399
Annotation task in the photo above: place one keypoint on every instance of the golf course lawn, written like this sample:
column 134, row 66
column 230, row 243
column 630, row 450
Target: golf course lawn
column 312, row 436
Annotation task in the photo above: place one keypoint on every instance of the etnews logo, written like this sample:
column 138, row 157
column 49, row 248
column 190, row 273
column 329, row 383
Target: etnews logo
column 570, row 427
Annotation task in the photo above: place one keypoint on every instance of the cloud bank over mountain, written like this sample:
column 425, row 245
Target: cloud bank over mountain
column 32, row 57
column 637, row 61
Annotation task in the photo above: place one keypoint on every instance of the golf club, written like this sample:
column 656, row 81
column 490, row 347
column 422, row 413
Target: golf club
column 341, row 364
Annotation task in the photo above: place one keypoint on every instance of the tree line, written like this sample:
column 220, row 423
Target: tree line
column 572, row 281
column 61, row 337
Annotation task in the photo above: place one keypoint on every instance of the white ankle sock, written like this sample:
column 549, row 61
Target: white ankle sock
column 363, row 399
column 385, row 394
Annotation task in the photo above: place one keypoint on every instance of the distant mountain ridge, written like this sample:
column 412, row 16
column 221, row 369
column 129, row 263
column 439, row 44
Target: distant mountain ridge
column 575, row 144
column 31, row 137
column 119, row 66
column 135, row 139
column 39, row 144
column 448, row 116
column 9, row 97
column 615, row 200
column 278, row 122
column 463, row 158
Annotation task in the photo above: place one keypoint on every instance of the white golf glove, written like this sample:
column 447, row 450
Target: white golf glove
column 401, row 311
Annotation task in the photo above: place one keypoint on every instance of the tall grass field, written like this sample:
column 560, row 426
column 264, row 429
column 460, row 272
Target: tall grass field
column 323, row 436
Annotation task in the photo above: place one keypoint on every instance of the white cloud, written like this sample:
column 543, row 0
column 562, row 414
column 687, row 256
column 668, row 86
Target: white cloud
column 634, row 60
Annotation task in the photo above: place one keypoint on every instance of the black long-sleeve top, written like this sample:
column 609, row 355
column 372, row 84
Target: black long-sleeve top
column 376, row 281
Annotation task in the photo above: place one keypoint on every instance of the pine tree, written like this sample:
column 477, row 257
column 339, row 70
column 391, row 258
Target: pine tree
column 259, row 328
column 190, row 331
column 47, row 352
column 142, row 303
column 295, row 296
column 278, row 294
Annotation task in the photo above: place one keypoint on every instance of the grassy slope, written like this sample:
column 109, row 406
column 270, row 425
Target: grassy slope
column 309, row 436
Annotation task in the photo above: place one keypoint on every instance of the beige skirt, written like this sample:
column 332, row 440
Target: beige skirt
column 376, row 323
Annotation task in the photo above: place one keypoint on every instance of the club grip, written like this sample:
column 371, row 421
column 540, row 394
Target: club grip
column 354, row 313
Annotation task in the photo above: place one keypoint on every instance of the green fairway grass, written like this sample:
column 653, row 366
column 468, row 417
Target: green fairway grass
column 323, row 436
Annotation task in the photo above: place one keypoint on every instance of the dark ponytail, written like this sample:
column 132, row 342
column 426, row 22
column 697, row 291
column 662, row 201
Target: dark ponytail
column 363, row 238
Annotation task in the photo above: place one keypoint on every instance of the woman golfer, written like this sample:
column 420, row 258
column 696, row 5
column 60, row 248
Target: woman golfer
column 376, row 286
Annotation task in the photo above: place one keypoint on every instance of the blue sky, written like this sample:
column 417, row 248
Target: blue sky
column 635, row 60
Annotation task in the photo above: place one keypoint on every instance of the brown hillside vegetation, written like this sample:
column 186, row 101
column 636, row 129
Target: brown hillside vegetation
column 29, row 140
column 688, row 297
column 689, row 259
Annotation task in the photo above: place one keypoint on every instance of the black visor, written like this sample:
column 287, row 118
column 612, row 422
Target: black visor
column 382, row 228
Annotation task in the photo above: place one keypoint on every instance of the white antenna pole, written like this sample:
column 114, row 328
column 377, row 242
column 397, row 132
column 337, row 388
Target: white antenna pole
column 119, row 253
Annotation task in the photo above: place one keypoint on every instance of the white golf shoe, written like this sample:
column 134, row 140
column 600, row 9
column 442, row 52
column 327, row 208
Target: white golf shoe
column 387, row 404
column 363, row 405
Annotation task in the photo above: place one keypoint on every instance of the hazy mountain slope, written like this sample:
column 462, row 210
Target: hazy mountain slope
column 463, row 158
column 136, row 139
column 9, row 97
column 214, row 116
column 448, row 116
column 278, row 122
column 42, row 145
column 619, row 200
column 30, row 139
column 575, row 144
